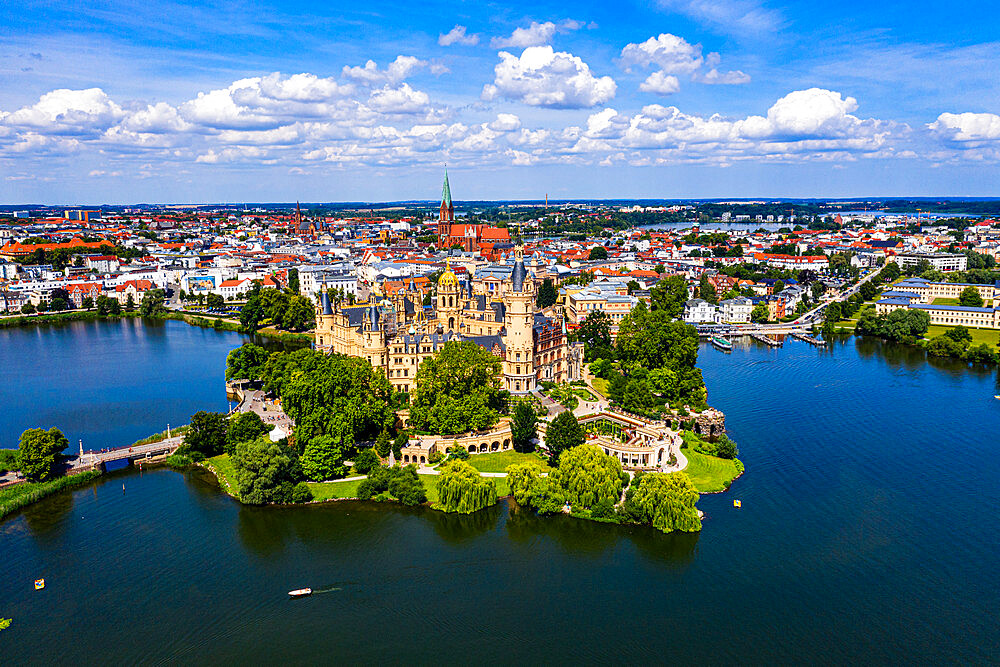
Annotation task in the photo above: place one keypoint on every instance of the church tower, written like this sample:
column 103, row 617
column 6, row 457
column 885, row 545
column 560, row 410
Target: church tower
column 519, row 363
column 446, row 216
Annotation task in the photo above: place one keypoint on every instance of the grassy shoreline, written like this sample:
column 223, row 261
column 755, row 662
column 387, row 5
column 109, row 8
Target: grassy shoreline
column 19, row 496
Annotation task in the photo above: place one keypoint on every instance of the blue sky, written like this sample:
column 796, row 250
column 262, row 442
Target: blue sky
column 108, row 101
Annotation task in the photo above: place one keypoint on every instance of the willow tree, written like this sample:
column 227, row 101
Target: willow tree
column 667, row 501
column 587, row 476
column 462, row 489
column 530, row 489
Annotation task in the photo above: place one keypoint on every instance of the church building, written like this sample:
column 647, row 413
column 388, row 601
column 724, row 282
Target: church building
column 469, row 236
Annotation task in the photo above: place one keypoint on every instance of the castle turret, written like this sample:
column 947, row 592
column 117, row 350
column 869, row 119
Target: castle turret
column 449, row 297
column 518, row 365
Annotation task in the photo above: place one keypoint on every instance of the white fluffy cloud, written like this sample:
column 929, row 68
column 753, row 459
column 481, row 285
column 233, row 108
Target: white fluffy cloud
column 535, row 34
column 401, row 100
column 967, row 128
column 660, row 83
column 546, row 78
column 458, row 35
column 400, row 68
column 673, row 55
column 68, row 112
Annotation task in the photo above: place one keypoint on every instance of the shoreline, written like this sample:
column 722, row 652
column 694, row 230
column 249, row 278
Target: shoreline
column 198, row 320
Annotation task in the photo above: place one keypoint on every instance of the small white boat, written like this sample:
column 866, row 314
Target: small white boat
column 300, row 592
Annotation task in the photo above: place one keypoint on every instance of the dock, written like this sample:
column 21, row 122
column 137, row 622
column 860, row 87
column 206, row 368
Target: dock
column 818, row 342
column 767, row 340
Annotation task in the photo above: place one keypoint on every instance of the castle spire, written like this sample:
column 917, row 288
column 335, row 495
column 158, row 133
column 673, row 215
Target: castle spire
column 446, row 190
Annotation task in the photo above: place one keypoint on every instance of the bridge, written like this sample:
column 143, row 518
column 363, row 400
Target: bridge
column 93, row 458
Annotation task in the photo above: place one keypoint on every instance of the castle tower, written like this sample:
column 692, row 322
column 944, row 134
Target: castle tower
column 519, row 363
column 446, row 216
column 449, row 299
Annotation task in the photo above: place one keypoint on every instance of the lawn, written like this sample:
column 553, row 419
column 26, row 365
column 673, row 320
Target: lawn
column 601, row 385
column 498, row 461
column 330, row 490
column 584, row 394
column 944, row 301
column 224, row 471
column 709, row 474
column 847, row 324
column 988, row 336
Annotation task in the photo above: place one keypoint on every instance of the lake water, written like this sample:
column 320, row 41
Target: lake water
column 868, row 533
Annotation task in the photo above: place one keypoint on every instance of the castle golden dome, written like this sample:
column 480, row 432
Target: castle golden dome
column 448, row 279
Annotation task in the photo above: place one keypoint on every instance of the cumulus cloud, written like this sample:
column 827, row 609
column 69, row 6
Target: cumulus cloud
column 458, row 35
column 972, row 129
column 673, row 55
column 546, row 78
column 68, row 112
column 660, row 83
column 535, row 34
column 400, row 68
column 403, row 99
column 506, row 122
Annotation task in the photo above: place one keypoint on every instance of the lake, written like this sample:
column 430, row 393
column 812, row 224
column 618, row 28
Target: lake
column 868, row 533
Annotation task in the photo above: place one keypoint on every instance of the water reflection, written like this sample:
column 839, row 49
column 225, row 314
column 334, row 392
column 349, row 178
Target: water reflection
column 580, row 537
column 461, row 528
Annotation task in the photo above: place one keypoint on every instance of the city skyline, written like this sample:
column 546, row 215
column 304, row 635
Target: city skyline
column 275, row 102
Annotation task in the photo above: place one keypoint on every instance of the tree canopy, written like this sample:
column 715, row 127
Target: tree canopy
column 208, row 433
column 246, row 363
column 523, row 428
column 970, row 296
column 462, row 489
column 457, row 390
column 37, row 452
column 595, row 334
column 666, row 501
column 587, row 476
column 547, row 294
column 265, row 472
column 563, row 433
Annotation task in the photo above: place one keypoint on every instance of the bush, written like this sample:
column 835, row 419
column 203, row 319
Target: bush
column 726, row 448
column 458, row 452
column 603, row 509
column 435, row 457
column 365, row 461
column 367, row 489
column 302, row 493
column 178, row 461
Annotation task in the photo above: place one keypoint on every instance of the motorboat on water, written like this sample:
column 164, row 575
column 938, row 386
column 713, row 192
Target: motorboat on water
column 722, row 344
column 300, row 592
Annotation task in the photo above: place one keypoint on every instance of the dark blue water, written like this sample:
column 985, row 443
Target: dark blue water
column 109, row 383
column 868, row 534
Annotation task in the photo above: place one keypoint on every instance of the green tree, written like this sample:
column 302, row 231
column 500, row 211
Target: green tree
column 366, row 460
column 960, row 334
column 889, row 272
column 598, row 253
column 265, row 472
column 457, row 390
column 530, row 489
column 669, row 296
column 246, row 362
column 383, row 445
column 87, row 303
column 587, row 476
column 293, row 280
column 130, row 303
column 462, row 489
column 547, row 294
column 298, row 314
column 215, row 301
column 28, row 308
column 323, row 457
column 244, row 427
column 252, row 312
column 407, row 487
column 595, row 334
column 659, row 268
column 868, row 290
column 666, row 501
column 37, row 451
column 523, row 428
column 563, row 433
column 207, row 433
column 152, row 304
column 58, row 304
column 779, row 285
column 706, row 290
column 759, row 313
column 970, row 297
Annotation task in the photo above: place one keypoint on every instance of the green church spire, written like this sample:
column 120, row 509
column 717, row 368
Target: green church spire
column 446, row 190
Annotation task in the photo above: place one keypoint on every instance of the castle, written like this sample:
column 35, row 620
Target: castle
column 397, row 333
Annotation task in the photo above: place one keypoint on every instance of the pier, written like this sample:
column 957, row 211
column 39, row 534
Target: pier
column 767, row 340
column 818, row 342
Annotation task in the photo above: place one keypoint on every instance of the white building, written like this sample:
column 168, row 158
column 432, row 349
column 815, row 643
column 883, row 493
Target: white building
column 735, row 310
column 698, row 311
column 942, row 261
